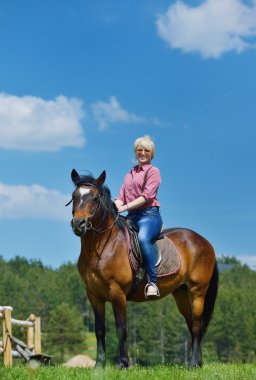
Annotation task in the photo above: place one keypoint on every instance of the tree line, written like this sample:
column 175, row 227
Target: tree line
column 157, row 332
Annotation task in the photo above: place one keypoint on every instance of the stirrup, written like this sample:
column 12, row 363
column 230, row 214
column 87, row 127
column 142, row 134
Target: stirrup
column 151, row 294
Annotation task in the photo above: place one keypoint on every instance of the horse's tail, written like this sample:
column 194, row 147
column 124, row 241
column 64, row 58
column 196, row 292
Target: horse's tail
column 210, row 298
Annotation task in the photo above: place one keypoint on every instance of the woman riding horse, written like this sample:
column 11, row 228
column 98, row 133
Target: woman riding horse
column 105, row 268
column 138, row 196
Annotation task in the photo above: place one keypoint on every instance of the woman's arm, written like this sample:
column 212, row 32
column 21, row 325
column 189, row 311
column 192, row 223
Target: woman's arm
column 138, row 202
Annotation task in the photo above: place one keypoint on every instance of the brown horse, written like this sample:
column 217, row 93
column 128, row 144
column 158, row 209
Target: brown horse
column 104, row 266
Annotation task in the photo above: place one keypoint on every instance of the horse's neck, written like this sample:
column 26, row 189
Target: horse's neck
column 96, row 238
column 94, row 243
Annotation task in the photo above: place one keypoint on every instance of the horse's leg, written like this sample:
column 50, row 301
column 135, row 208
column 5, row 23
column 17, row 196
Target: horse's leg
column 191, row 305
column 99, row 313
column 197, row 326
column 183, row 302
column 118, row 301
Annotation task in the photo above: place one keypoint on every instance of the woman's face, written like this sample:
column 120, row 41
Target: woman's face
column 143, row 155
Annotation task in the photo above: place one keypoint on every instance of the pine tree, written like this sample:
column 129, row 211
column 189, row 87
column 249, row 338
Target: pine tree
column 65, row 334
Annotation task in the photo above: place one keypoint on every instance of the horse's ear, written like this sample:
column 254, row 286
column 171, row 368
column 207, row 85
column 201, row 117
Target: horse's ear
column 101, row 178
column 74, row 176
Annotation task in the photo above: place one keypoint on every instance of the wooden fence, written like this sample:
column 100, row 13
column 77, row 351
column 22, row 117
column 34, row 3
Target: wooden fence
column 33, row 334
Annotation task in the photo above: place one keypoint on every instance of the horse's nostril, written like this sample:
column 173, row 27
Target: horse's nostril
column 78, row 226
column 81, row 223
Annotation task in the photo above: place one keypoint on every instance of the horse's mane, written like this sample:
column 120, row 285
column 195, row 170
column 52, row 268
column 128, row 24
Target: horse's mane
column 105, row 196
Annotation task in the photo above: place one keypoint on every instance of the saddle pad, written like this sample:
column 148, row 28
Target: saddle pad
column 170, row 261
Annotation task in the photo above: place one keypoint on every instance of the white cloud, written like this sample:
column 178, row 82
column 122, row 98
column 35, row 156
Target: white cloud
column 112, row 112
column 34, row 124
column 33, row 202
column 212, row 28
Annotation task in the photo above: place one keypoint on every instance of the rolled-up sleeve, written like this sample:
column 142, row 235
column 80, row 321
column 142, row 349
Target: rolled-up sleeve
column 152, row 183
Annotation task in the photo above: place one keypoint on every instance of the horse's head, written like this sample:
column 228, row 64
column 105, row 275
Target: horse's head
column 86, row 201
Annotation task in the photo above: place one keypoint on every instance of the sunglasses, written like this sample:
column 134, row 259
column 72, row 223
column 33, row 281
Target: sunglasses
column 140, row 150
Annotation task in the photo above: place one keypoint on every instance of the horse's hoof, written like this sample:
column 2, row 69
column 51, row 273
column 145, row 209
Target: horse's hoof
column 99, row 365
column 195, row 365
column 121, row 365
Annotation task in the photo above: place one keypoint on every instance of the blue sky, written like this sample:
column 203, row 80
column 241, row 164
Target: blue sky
column 81, row 80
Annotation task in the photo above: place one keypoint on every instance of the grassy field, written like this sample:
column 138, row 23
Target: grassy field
column 208, row 372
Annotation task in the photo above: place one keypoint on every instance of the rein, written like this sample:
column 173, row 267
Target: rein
column 89, row 225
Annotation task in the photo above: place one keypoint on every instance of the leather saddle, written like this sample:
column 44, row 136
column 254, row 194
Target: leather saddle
column 133, row 231
column 136, row 255
column 167, row 258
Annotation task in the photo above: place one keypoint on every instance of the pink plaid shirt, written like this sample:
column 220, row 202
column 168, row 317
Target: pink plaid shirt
column 133, row 182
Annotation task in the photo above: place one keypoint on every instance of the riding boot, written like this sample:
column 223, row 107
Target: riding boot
column 151, row 291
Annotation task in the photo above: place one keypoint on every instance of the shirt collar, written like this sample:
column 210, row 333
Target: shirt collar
column 138, row 168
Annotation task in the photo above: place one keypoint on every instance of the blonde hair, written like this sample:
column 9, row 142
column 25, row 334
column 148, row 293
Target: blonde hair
column 147, row 143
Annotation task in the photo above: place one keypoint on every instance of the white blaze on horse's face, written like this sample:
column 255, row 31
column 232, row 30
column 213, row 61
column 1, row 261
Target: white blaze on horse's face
column 83, row 191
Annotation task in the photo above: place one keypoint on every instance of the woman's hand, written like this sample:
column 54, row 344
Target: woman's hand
column 119, row 205
column 121, row 208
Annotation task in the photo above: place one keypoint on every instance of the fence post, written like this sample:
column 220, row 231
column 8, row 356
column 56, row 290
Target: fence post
column 37, row 335
column 7, row 333
column 30, row 333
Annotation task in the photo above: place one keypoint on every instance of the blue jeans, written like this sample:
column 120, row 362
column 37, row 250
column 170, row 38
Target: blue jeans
column 149, row 222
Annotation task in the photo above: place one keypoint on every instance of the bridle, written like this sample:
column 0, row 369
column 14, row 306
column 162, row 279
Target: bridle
column 88, row 221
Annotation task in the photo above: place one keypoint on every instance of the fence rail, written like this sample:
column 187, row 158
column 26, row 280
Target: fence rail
column 33, row 334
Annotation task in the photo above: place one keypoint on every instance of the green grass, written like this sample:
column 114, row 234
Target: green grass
column 208, row 372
